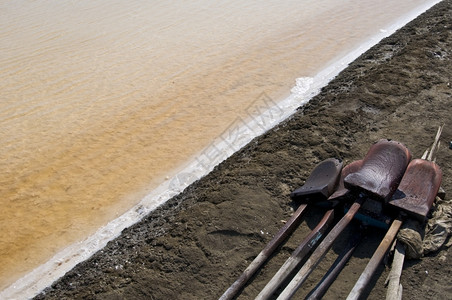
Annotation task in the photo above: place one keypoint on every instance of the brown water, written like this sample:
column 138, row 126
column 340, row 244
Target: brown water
column 101, row 100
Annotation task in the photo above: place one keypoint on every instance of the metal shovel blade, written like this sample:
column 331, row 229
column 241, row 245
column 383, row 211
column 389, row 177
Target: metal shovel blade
column 418, row 189
column 322, row 181
column 341, row 189
column 381, row 171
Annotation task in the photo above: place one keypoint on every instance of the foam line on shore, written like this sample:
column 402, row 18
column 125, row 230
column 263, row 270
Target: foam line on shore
column 241, row 132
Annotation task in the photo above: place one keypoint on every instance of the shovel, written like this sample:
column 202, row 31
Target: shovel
column 395, row 289
column 414, row 198
column 318, row 186
column 341, row 190
column 380, row 173
column 308, row 244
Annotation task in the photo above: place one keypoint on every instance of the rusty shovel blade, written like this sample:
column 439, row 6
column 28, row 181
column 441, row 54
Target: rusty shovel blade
column 381, row 171
column 341, row 189
column 418, row 189
column 321, row 183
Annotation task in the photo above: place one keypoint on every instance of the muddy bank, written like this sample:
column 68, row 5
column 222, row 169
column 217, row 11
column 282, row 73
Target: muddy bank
column 196, row 245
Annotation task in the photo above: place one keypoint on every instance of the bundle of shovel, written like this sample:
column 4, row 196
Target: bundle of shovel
column 383, row 189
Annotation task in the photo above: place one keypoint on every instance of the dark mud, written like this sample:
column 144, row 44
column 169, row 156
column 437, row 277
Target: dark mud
column 197, row 244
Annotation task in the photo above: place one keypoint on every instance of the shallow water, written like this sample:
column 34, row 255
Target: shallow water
column 103, row 100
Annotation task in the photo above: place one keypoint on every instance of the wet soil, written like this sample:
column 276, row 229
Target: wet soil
column 198, row 243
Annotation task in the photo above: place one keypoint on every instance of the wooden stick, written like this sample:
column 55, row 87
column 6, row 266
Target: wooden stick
column 282, row 234
column 394, row 286
column 297, row 256
column 319, row 291
column 400, row 292
column 320, row 252
column 375, row 260
column 424, row 156
column 435, row 143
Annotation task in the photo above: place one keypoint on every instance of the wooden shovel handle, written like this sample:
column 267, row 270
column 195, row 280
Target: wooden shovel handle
column 297, row 256
column 394, row 291
column 319, row 291
column 282, row 234
column 320, row 252
column 320, row 184
column 375, row 260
